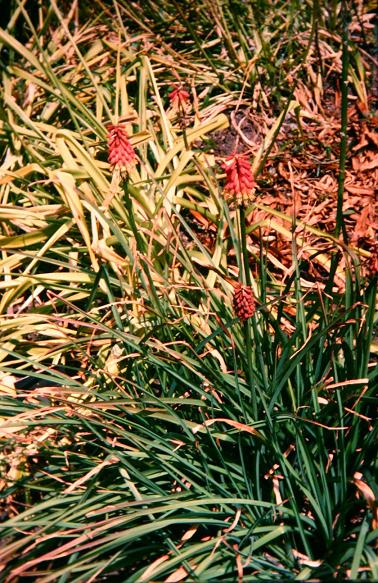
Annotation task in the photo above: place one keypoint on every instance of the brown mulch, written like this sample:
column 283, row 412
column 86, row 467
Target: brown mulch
column 300, row 177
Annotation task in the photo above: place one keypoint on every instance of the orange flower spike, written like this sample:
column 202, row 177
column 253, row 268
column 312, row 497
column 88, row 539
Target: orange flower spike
column 240, row 182
column 178, row 97
column 121, row 152
column 243, row 301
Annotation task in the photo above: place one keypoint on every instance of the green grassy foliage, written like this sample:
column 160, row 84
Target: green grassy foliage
column 148, row 434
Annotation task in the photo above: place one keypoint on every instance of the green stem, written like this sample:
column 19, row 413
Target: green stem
column 340, row 225
column 246, row 276
column 252, row 339
column 246, row 279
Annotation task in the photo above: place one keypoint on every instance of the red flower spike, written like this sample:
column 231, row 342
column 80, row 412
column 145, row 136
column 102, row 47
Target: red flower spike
column 178, row 97
column 243, row 301
column 121, row 152
column 240, row 183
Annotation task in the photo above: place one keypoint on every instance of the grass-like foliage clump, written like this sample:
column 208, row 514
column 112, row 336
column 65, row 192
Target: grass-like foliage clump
column 188, row 273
